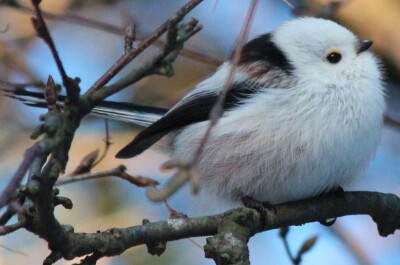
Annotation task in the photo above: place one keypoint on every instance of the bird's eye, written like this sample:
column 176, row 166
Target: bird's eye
column 334, row 57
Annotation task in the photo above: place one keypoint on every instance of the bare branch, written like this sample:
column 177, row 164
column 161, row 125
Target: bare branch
column 383, row 208
column 15, row 181
column 288, row 3
column 13, row 250
column 153, row 66
column 9, row 85
column 391, row 122
column 4, row 230
column 107, row 144
column 217, row 110
column 129, row 56
column 40, row 26
column 82, row 21
column 115, row 172
column 351, row 243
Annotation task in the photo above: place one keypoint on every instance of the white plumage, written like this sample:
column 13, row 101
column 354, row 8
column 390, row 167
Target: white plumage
column 301, row 140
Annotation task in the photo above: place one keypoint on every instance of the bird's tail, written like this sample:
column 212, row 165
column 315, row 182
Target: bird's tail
column 121, row 111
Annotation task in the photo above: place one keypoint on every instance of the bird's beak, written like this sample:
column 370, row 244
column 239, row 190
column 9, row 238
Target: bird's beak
column 363, row 45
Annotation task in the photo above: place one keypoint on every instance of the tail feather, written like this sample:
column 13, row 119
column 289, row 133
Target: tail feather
column 121, row 111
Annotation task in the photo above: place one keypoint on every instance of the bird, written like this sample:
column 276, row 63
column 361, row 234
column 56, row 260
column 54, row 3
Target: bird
column 301, row 118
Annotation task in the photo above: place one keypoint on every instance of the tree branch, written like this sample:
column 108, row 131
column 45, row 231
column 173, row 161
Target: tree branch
column 71, row 85
column 383, row 208
column 129, row 56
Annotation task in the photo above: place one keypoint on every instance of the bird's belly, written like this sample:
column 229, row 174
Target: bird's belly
column 279, row 166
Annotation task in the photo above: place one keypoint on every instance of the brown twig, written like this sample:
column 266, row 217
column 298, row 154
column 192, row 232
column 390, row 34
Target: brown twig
column 305, row 247
column 351, row 243
column 391, row 122
column 107, row 144
column 320, row 9
column 42, row 31
column 129, row 56
column 13, row 250
column 159, row 64
column 173, row 184
column 81, row 21
column 4, row 230
column 288, row 3
column 5, row 28
column 217, row 110
column 30, row 155
column 10, row 85
column 6, row 216
column 115, row 172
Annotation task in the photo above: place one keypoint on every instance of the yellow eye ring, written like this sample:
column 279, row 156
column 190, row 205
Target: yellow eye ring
column 334, row 56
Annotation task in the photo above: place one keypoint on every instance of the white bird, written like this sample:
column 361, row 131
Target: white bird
column 302, row 117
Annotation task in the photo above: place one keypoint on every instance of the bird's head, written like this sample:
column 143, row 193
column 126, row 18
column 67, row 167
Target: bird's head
column 322, row 51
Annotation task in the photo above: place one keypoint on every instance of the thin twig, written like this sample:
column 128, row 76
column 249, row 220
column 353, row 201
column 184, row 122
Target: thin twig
column 43, row 32
column 30, row 155
column 283, row 232
column 391, row 122
column 13, row 250
column 153, row 66
column 351, row 243
column 118, row 172
column 288, row 3
column 10, row 85
column 6, row 216
column 115, row 172
column 129, row 56
column 107, row 144
column 5, row 28
column 305, row 247
column 4, row 230
column 217, row 110
column 172, row 213
column 86, row 22
column 197, row 244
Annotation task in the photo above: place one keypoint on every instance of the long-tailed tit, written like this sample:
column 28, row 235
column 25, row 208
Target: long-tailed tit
column 302, row 117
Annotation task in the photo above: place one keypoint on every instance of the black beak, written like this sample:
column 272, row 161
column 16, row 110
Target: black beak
column 363, row 45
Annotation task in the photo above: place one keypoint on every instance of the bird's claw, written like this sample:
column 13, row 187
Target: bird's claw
column 261, row 207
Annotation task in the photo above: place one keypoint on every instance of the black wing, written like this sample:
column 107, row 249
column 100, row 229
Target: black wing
column 194, row 109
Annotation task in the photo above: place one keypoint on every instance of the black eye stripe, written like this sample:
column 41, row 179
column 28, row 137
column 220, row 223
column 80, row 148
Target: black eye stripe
column 334, row 57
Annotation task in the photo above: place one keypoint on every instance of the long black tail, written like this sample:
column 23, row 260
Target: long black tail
column 121, row 111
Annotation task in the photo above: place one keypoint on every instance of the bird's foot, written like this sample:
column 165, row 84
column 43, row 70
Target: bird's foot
column 261, row 207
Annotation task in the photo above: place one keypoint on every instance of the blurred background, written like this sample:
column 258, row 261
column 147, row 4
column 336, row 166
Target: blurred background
column 87, row 52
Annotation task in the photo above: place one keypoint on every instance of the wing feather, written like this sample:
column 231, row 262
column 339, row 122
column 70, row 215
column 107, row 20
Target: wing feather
column 192, row 109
